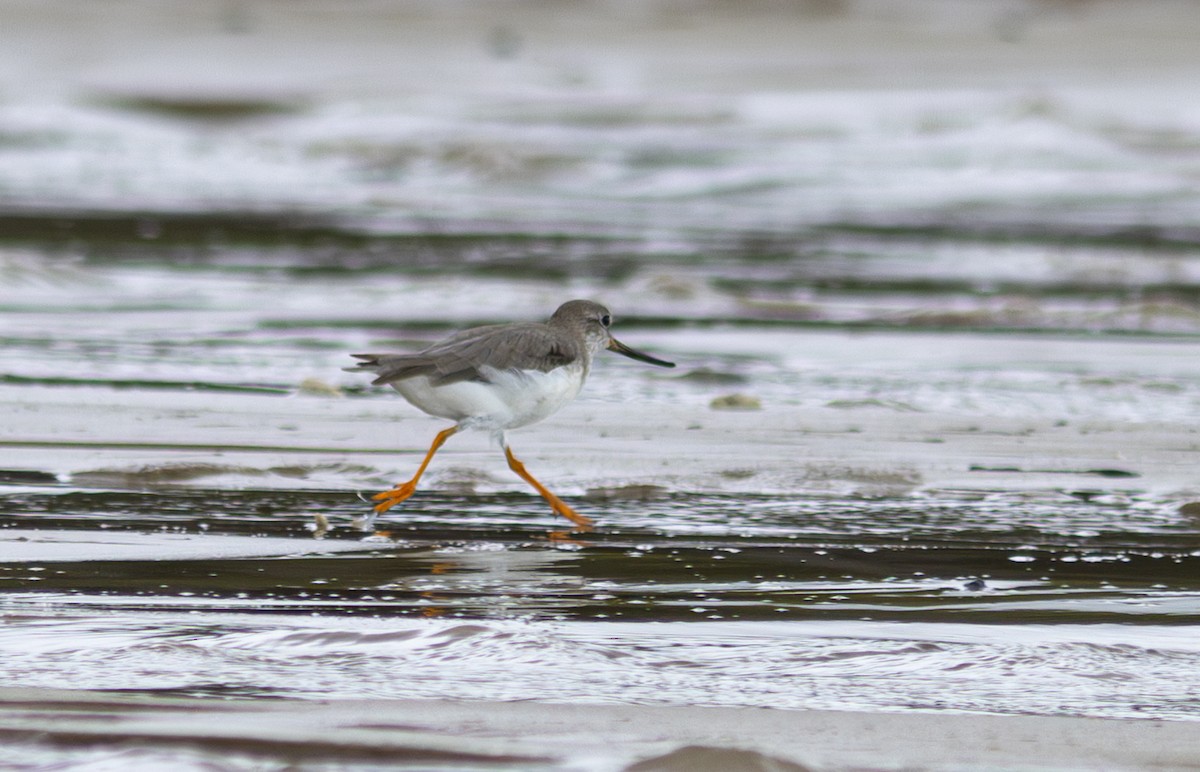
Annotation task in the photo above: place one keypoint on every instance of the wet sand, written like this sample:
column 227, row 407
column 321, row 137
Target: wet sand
column 627, row 449
column 480, row 735
column 633, row 428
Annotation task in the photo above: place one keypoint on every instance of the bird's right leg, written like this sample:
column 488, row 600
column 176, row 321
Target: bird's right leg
column 557, row 504
column 402, row 491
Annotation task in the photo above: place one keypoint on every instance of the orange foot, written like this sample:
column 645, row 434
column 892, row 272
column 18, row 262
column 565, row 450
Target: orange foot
column 391, row 498
column 564, row 537
column 584, row 523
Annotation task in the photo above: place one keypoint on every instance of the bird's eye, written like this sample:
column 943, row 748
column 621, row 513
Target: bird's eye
column 605, row 320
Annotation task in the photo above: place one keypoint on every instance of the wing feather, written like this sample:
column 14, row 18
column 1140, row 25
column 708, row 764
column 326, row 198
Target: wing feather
column 468, row 354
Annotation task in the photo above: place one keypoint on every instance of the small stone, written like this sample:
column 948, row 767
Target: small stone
column 628, row 493
column 319, row 526
column 319, row 388
column 710, row 377
column 736, row 402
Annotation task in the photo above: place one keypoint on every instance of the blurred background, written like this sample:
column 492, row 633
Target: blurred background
column 1011, row 163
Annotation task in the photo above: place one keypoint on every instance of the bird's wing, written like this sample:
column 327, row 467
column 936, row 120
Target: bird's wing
column 465, row 355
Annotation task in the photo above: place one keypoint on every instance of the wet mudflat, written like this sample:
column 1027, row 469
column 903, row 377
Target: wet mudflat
column 956, row 548
column 927, row 462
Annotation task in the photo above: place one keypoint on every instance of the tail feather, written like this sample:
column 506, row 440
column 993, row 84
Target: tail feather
column 369, row 362
column 392, row 367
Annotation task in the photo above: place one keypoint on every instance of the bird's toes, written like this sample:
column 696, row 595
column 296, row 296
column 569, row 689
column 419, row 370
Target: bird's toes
column 390, row 498
column 583, row 523
column 565, row 538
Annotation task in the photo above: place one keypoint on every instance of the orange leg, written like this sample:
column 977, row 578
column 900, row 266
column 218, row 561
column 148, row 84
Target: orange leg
column 391, row 498
column 555, row 502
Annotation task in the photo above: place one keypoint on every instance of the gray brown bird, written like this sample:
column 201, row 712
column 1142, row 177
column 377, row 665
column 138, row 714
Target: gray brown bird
column 500, row 377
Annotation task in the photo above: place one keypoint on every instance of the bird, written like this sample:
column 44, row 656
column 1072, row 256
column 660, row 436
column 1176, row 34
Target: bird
column 500, row 377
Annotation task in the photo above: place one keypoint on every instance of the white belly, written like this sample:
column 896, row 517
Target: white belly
column 510, row 400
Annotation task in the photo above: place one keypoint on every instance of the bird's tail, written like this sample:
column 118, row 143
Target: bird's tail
column 369, row 362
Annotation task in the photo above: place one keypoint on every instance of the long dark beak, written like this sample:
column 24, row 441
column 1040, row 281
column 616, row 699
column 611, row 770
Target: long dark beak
column 621, row 348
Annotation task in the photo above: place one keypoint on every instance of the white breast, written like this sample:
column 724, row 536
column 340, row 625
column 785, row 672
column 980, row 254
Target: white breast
column 508, row 400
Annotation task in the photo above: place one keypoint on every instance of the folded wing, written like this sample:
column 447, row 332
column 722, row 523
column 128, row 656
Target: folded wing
column 468, row 355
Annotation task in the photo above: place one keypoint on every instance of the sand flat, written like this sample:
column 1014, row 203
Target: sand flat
column 491, row 735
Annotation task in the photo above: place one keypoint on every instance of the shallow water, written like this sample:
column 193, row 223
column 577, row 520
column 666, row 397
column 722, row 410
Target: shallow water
column 955, row 270
column 940, row 601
